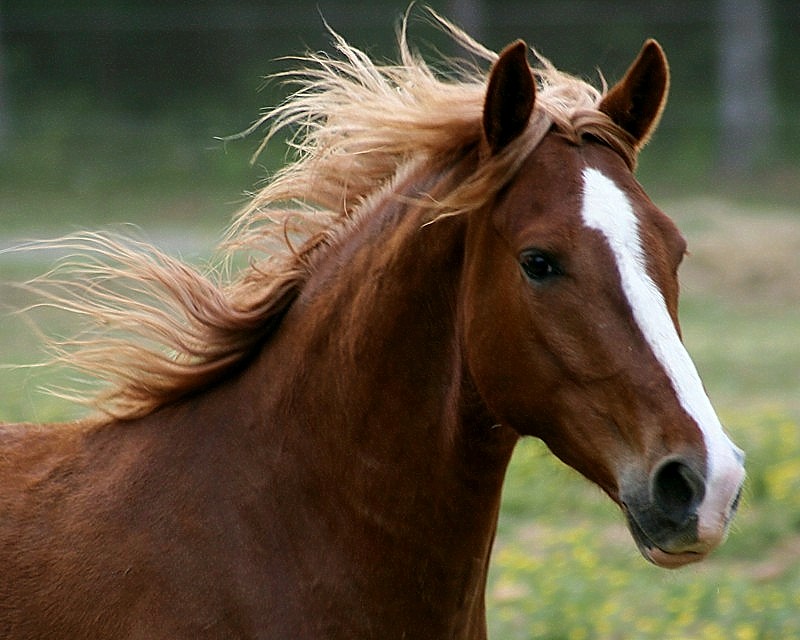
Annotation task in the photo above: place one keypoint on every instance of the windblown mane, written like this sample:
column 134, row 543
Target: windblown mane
column 161, row 330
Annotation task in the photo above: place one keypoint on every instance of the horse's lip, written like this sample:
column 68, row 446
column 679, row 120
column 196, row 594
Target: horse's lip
column 653, row 553
column 667, row 560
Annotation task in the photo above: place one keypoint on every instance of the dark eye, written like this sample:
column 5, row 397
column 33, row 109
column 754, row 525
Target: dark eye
column 539, row 265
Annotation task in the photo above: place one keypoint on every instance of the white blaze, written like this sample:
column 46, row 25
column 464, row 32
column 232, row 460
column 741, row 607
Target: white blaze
column 607, row 209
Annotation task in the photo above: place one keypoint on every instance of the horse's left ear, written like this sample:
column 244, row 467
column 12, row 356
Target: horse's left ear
column 635, row 103
column 509, row 97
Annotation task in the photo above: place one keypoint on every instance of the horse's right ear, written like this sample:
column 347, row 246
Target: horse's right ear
column 510, row 95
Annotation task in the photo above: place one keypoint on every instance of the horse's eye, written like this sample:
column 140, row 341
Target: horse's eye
column 539, row 265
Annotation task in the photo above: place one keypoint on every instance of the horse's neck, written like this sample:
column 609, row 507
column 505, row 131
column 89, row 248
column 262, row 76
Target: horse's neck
column 395, row 467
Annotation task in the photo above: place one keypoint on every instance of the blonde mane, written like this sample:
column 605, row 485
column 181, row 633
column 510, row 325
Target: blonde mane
column 161, row 330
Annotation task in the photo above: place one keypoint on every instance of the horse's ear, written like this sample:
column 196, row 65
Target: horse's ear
column 635, row 103
column 509, row 97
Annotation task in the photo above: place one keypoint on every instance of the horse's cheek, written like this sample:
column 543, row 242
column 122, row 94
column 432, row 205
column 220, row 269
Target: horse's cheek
column 505, row 358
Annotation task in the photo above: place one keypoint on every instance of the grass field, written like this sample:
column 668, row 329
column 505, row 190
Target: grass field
column 565, row 566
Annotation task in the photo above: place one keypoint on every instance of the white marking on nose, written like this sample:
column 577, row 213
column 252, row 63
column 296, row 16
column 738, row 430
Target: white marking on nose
column 607, row 209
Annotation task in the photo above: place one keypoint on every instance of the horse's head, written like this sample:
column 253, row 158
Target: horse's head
column 571, row 318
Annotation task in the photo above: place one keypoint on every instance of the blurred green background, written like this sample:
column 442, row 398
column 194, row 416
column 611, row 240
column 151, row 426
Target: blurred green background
column 110, row 112
column 103, row 96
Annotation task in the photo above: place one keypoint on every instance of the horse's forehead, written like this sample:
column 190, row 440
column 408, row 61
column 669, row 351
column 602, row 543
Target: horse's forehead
column 548, row 193
column 544, row 196
column 622, row 210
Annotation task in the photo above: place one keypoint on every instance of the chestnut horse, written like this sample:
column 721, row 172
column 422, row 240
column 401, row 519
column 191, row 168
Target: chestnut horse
column 315, row 447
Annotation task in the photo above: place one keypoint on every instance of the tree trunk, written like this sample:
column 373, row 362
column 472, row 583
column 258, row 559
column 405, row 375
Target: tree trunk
column 745, row 108
column 3, row 95
column 467, row 14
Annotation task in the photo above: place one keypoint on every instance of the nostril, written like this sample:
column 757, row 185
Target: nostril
column 736, row 501
column 677, row 489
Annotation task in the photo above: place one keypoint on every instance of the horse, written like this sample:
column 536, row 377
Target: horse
column 313, row 444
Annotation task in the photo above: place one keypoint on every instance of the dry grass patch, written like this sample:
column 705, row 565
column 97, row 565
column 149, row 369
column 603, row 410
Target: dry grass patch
column 745, row 256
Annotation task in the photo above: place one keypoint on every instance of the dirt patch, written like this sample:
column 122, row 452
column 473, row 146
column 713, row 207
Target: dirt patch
column 740, row 254
column 779, row 561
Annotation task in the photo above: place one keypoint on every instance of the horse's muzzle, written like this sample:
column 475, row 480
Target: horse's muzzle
column 672, row 516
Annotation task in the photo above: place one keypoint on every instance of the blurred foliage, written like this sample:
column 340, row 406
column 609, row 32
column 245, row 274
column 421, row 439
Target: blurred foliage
column 125, row 93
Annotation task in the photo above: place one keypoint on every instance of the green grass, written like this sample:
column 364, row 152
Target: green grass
column 565, row 565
